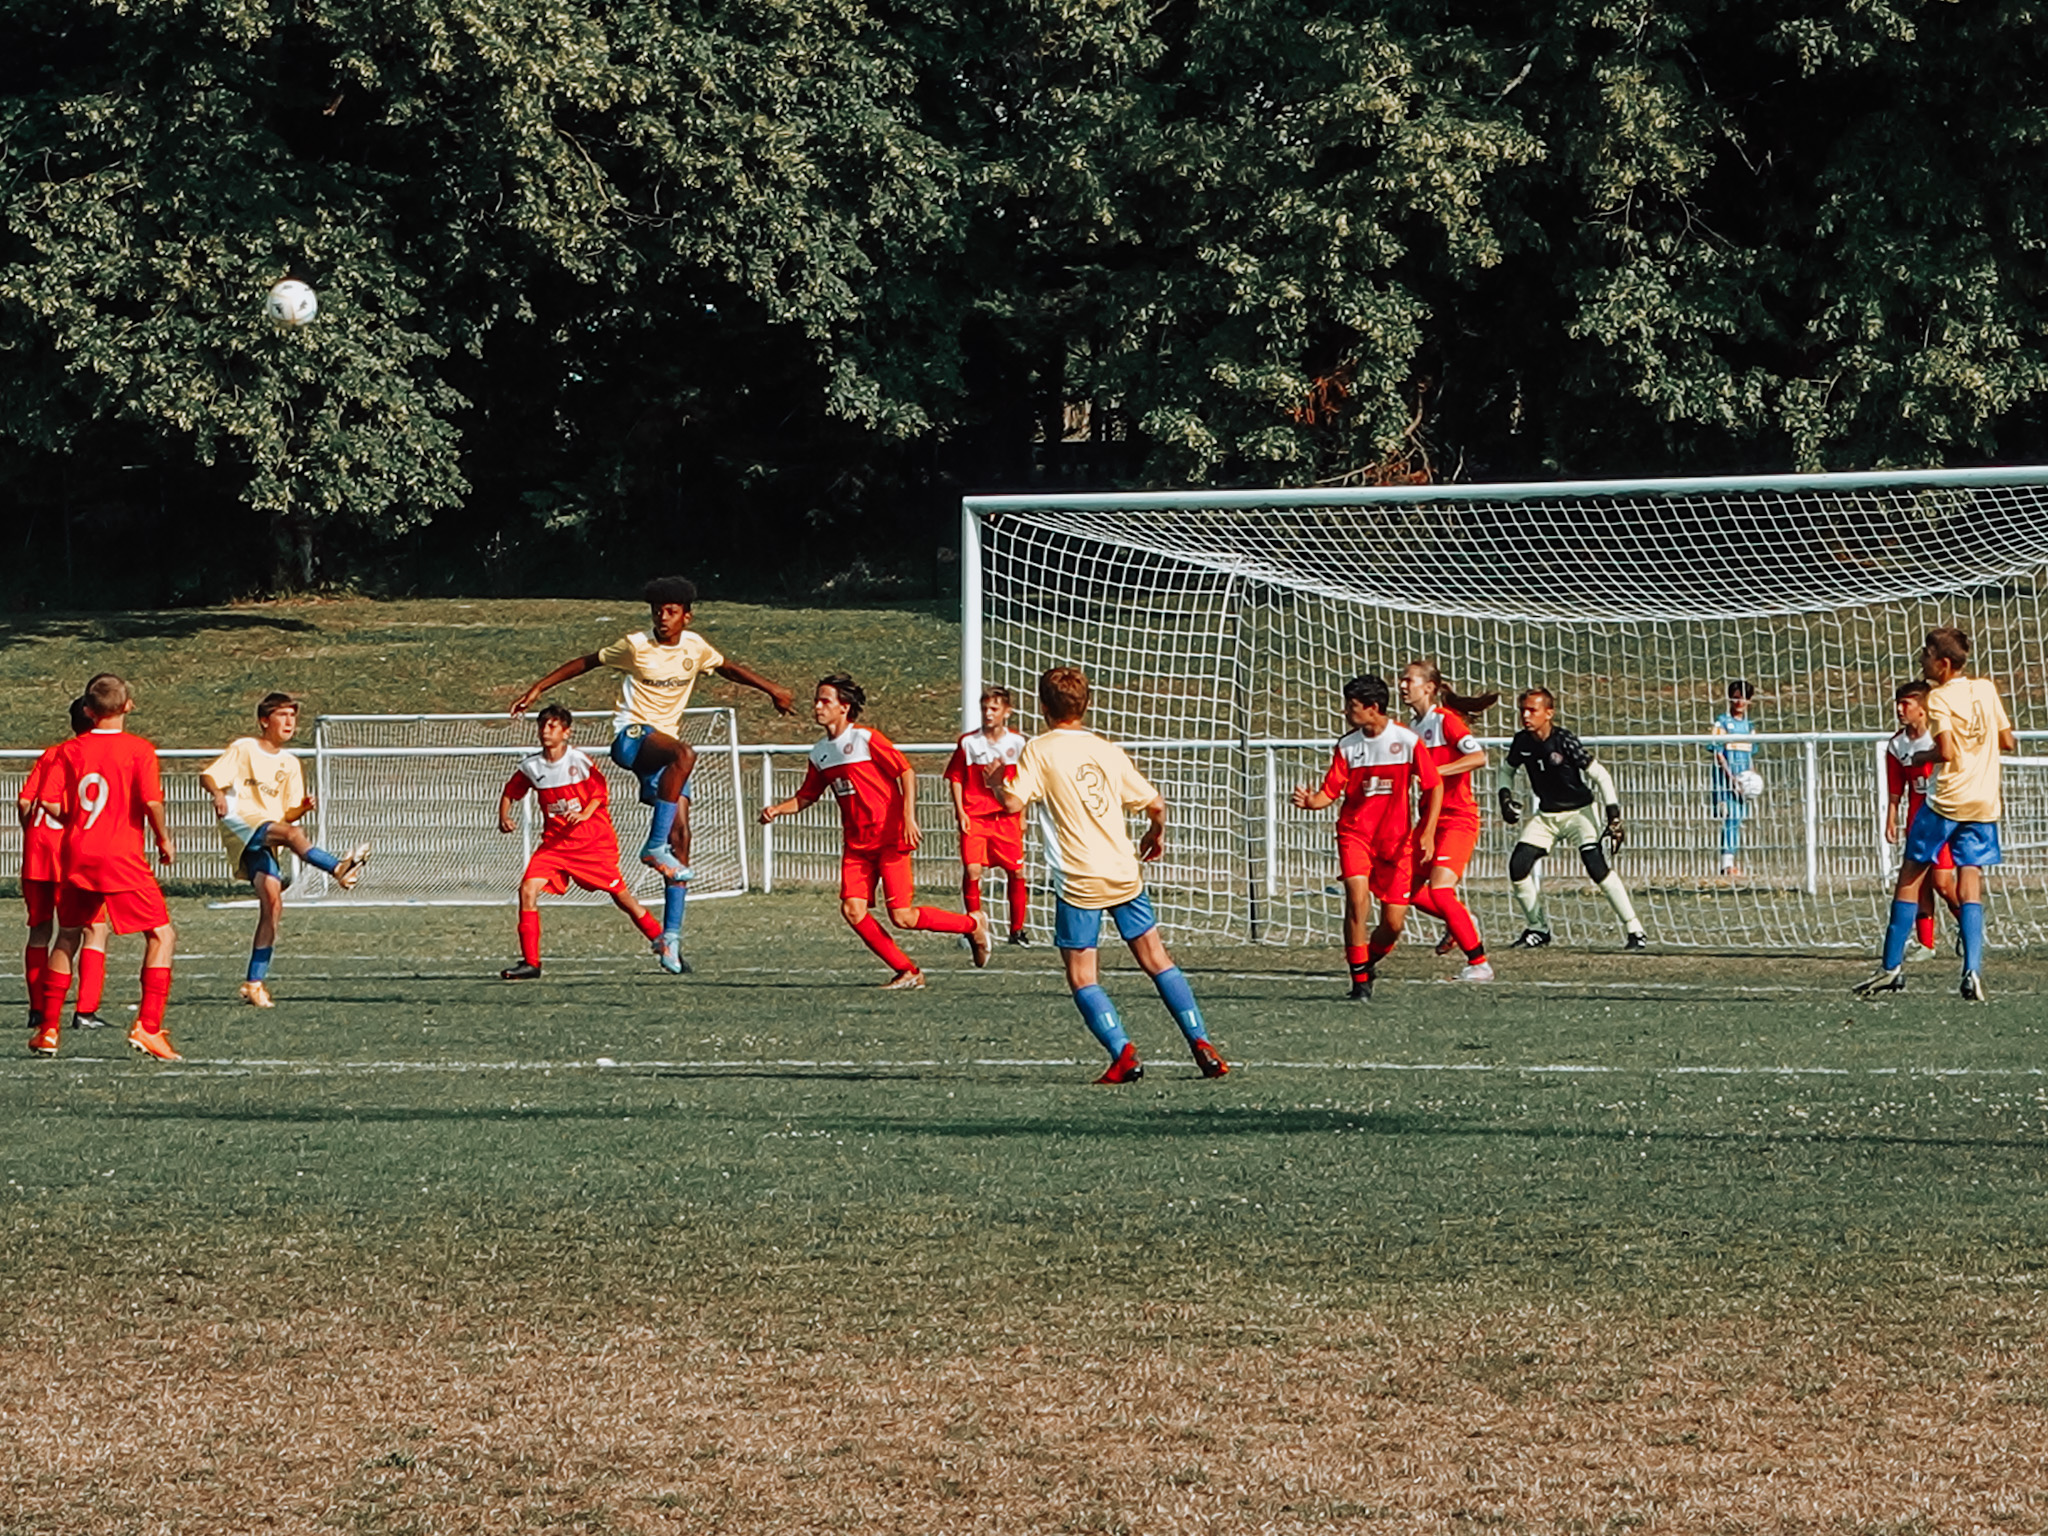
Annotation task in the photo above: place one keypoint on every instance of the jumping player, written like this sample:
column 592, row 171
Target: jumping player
column 988, row 833
column 1563, row 776
column 40, row 877
column 576, row 841
column 877, row 795
column 662, row 665
column 1733, row 756
column 104, row 786
column 1087, row 784
column 1447, row 741
column 1909, row 764
column 1961, row 813
column 259, row 793
column 1379, row 849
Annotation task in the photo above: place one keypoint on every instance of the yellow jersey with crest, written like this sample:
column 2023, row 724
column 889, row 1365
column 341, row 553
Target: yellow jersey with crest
column 261, row 785
column 659, row 678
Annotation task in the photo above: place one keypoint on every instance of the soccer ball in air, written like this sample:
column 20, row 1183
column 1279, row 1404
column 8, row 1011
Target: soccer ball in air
column 291, row 302
column 1749, row 784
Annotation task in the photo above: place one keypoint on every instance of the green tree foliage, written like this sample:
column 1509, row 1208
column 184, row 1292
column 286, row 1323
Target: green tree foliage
column 730, row 280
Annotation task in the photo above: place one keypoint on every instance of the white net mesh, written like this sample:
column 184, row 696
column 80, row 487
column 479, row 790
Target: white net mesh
column 1232, row 620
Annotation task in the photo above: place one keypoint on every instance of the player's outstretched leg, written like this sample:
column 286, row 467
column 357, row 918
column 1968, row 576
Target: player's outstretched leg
column 664, row 764
column 1522, row 863
column 346, row 869
column 1150, row 952
column 1594, row 857
column 649, row 926
column 898, row 890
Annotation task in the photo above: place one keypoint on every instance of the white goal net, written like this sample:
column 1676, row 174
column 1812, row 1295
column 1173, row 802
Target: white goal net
column 1220, row 627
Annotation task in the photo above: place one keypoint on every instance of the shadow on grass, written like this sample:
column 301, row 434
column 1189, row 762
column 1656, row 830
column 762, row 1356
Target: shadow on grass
column 113, row 628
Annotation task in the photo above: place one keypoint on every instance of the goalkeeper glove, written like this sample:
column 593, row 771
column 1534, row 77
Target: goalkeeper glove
column 1617, row 834
column 1509, row 811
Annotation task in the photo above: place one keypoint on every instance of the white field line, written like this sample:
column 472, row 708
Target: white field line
column 229, row 1066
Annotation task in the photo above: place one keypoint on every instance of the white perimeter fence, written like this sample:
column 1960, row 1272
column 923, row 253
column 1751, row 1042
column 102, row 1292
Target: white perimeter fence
column 1242, row 864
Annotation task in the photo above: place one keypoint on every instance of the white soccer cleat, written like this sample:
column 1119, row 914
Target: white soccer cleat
column 351, row 868
column 1891, row 979
column 1973, row 988
column 1480, row 972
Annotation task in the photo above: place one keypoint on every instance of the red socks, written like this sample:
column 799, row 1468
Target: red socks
column 1359, row 959
column 33, row 958
column 529, row 937
column 1376, row 951
column 1020, row 901
column 970, row 893
column 649, row 925
column 939, row 920
column 156, row 992
column 92, row 979
column 1923, row 930
column 871, row 935
column 1463, row 930
column 50, row 1000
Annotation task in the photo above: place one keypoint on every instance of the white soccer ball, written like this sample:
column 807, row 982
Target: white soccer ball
column 1749, row 784
column 291, row 302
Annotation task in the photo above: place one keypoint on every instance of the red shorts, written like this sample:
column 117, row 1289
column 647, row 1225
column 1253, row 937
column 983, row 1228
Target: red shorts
column 135, row 911
column 40, row 897
column 860, row 870
column 591, row 868
column 998, row 843
column 1454, row 846
column 1392, row 875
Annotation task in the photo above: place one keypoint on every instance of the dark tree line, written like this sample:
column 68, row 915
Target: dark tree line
column 761, row 287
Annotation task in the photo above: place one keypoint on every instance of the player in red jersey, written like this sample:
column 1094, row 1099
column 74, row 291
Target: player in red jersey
column 1910, row 762
column 988, row 833
column 40, row 877
column 1378, row 846
column 104, row 786
column 1447, row 741
column 577, row 842
column 877, row 795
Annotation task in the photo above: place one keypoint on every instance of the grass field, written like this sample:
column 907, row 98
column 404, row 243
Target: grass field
column 1617, row 1243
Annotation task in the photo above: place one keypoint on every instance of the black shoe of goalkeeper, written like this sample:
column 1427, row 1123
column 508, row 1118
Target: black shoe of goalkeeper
column 1532, row 938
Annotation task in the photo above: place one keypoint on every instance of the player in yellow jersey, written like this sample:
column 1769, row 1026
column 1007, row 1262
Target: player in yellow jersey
column 1087, row 785
column 259, row 792
column 661, row 666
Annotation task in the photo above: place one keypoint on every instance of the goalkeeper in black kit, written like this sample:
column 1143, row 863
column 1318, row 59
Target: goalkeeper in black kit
column 1563, row 776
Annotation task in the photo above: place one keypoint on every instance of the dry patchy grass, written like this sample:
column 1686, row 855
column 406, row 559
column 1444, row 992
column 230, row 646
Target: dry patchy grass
column 1509, row 1419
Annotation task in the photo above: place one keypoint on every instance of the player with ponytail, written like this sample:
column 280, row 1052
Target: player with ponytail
column 1441, row 723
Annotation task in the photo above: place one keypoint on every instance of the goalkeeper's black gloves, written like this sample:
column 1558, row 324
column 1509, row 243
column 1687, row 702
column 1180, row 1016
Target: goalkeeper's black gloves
column 1509, row 811
column 1617, row 834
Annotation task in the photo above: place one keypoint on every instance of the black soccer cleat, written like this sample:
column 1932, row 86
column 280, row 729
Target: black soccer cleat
column 1532, row 938
column 1361, row 989
column 523, row 971
column 1020, row 938
column 87, row 1021
column 1973, row 988
column 1637, row 941
column 1888, row 979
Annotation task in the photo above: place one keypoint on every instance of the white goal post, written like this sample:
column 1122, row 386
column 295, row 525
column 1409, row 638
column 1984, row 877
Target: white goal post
column 1219, row 627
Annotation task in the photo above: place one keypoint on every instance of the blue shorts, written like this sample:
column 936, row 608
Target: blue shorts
column 1081, row 927
column 1974, row 844
column 256, row 858
column 626, row 752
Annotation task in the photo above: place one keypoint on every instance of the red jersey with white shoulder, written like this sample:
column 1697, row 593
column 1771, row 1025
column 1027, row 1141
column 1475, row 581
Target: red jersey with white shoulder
column 100, row 783
column 1901, row 775
column 863, row 770
column 42, row 838
column 971, row 760
column 564, row 787
column 1445, row 735
column 1373, row 775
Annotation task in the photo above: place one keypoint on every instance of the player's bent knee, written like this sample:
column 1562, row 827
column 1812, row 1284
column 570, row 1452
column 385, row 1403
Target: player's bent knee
column 1595, row 862
column 903, row 917
column 1523, row 861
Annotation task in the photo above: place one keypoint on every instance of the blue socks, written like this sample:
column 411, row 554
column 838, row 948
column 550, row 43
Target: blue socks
column 1100, row 1014
column 319, row 858
column 259, row 959
column 672, row 898
column 1971, row 921
column 664, row 822
column 1900, row 929
column 1179, row 998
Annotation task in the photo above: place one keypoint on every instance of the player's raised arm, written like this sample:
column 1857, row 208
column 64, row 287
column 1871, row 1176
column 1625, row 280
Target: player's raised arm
column 783, row 700
column 561, row 674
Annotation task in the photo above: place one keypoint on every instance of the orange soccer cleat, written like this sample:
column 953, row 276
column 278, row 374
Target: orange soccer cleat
column 153, row 1042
